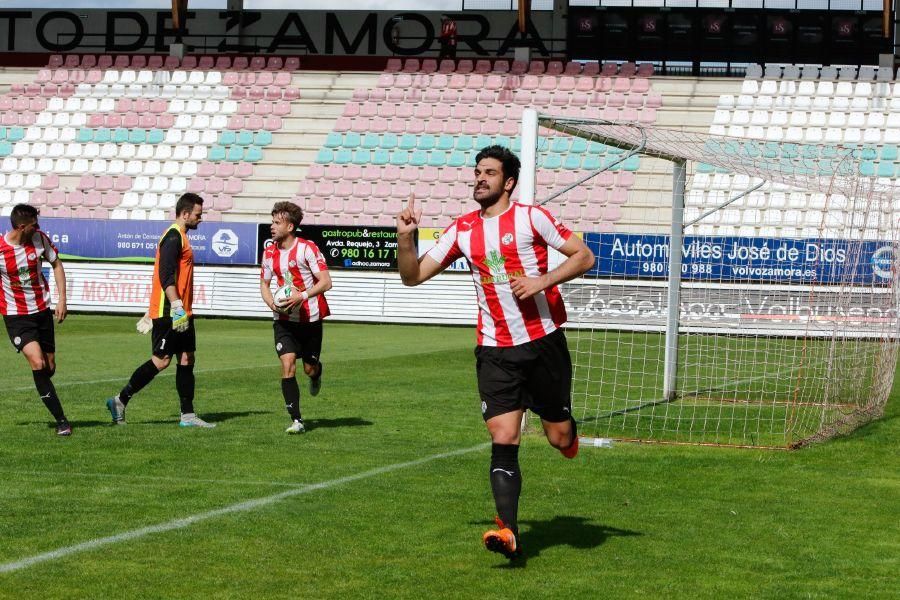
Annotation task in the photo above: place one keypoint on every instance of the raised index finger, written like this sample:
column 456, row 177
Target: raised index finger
column 411, row 205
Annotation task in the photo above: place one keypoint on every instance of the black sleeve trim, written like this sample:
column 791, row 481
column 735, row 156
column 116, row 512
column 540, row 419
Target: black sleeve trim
column 169, row 257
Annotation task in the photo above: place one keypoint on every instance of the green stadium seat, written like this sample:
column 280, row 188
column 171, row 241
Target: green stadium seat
column 407, row 142
column 515, row 145
column 235, row 153
column 867, row 168
column 362, row 156
column 614, row 150
column 889, row 153
column 216, row 153
column 456, row 159
column 84, row 135
column 426, row 142
column 705, row 168
column 789, row 150
column 370, row 141
column 253, row 154
column 14, row 134
column 324, row 156
column 885, row 169
column 591, row 162
column 5, row 148
column 228, row 137
column 137, row 136
column 560, row 145
column 444, row 142
column 502, row 140
column 771, row 150
column 399, row 158
column 382, row 157
column 352, row 139
column 2, row 133
column 596, row 148
column 579, row 146
column 388, row 141
column 120, row 135
column 437, row 158
column 156, row 136
column 334, row 140
column 809, row 151
column 829, row 151
column 262, row 138
column 464, row 143
column 244, row 138
column 752, row 149
column 481, row 141
column 572, row 162
column 632, row 163
column 868, row 153
column 343, row 156
column 418, row 158
column 551, row 161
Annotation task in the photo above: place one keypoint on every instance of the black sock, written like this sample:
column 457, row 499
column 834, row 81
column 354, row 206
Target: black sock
column 143, row 375
column 184, row 383
column 291, row 392
column 506, row 483
column 48, row 394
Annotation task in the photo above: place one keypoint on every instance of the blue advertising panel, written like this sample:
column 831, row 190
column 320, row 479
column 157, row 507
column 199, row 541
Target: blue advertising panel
column 752, row 259
column 214, row 243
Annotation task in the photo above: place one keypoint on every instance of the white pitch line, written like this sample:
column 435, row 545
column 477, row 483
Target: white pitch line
column 234, row 508
column 184, row 480
column 124, row 378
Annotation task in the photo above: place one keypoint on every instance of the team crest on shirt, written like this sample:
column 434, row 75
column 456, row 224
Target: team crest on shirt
column 483, row 407
column 279, row 346
column 32, row 256
column 507, row 239
column 17, row 341
column 292, row 264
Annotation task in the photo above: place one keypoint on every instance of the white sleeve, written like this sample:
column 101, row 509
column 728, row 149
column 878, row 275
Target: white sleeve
column 446, row 250
column 552, row 231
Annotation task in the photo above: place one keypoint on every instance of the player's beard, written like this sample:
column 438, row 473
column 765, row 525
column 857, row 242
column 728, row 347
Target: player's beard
column 489, row 200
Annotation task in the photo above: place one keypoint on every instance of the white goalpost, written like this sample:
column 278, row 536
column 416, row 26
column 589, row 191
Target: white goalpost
column 745, row 293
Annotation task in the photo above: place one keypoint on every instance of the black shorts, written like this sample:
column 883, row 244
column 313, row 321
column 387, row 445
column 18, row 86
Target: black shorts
column 536, row 375
column 24, row 329
column 168, row 342
column 302, row 339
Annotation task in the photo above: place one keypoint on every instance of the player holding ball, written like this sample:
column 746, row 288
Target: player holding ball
column 298, row 305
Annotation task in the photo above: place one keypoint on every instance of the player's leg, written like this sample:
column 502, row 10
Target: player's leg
column 185, row 345
column 500, row 387
column 550, row 382
column 161, row 346
column 286, row 347
column 311, row 351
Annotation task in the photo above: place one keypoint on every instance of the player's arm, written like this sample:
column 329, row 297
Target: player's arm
column 59, row 276
column 266, row 293
column 579, row 259
column 413, row 270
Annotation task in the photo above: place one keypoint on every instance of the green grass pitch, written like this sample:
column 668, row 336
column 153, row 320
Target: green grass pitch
column 387, row 495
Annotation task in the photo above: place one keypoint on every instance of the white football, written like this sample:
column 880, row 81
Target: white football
column 283, row 294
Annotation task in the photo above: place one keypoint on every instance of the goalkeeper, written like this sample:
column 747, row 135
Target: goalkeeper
column 170, row 311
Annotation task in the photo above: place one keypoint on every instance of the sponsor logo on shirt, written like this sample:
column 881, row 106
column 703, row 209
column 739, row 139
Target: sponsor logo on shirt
column 496, row 263
column 507, row 239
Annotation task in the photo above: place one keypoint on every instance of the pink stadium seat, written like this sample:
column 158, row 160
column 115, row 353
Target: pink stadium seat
column 205, row 62
column 282, row 109
column 447, row 66
column 86, row 182
column 274, row 93
column 609, row 69
column 634, row 100
column 71, row 61
column 315, row 204
column 27, row 118
column 238, row 92
column 99, row 214
column 171, row 63
column 501, row 66
column 640, row 85
column 353, row 206
column 230, row 78
column 334, row 206
column 382, row 189
column 283, row 78
column 541, row 98
column 122, row 183
column 212, row 215
column 621, row 84
column 342, row 124
column 584, row 84
column 56, row 198
column 64, row 212
column 615, row 99
column 245, row 107
column 555, row 67
column 93, row 76
column 91, row 199
column 647, row 115
column 223, row 63
column 131, row 120
column 235, row 122
column 44, row 75
column 536, row 67
column 50, row 181
column 518, row 67
column 275, row 63
column 196, row 185
column 509, row 128
column 56, row 60
column 292, row 63
column 121, row 61
column 604, row 179
column 573, row 68
column 155, row 62
column 465, row 66
column 566, row 83
column 37, row 105
column 343, row 189
column 105, row 61
column 393, row 65
column 240, row 62
column 272, row 123
column 214, row 185
column 224, row 170
column 233, row 186
column 482, row 66
column 654, row 100
column 490, row 127
column 165, row 121
column 138, row 61
column 627, row 69
column 223, row 202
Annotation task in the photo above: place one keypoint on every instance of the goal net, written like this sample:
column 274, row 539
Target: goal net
column 745, row 291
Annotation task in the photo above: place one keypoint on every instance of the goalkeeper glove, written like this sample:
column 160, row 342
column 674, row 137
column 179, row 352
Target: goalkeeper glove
column 144, row 325
column 180, row 319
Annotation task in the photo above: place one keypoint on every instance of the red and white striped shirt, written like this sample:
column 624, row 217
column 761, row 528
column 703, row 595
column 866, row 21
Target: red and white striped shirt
column 23, row 288
column 511, row 244
column 298, row 265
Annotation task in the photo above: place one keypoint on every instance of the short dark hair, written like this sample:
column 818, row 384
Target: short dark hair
column 187, row 202
column 23, row 214
column 291, row 211
column 510, row 161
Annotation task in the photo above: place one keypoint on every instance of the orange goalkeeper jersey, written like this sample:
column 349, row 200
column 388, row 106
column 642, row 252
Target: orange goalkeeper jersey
column 174, row 265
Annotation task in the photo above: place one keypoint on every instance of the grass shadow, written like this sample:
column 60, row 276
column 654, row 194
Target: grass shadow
column 576, row 532
column 342, row 422
column 73, row 423
column 215, row 417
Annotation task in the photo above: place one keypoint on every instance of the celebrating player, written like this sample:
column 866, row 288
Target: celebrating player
column 25, row 302
column 172, row 317
column 295, row 261
column 522, row 360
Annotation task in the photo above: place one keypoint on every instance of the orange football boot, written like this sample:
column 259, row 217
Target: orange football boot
column 503, row 540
